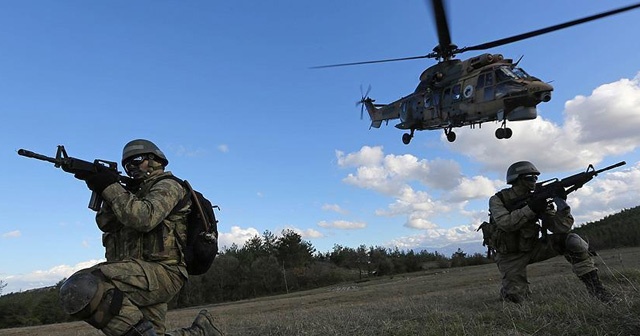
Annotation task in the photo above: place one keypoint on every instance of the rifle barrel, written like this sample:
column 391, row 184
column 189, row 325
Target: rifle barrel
column 30, row 154
column 621, row 163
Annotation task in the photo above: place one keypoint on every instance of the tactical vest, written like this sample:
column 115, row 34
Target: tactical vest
column 522, row 240
column 159, row 244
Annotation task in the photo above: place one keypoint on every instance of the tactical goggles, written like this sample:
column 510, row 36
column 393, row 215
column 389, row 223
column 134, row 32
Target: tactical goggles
column 529, row 177
column 135, row 161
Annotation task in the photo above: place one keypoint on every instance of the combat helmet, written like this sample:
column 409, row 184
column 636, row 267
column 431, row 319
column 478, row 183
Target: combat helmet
column 520, row 168
column 142, row 146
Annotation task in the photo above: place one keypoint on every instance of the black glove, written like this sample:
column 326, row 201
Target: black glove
column 537, row 205
column 132, row 185
column 561, row 193
column 101, row 180
column 83, row 175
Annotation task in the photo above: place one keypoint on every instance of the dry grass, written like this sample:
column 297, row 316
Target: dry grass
column 459, row 301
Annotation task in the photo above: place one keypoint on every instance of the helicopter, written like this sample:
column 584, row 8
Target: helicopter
column 455, row 93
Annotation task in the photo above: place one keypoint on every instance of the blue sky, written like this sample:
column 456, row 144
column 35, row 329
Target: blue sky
column 225, row 89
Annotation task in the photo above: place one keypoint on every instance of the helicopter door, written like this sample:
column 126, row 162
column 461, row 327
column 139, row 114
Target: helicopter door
column 485, row 89
column 430, row 111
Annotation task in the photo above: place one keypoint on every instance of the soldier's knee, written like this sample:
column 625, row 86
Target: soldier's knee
column 575, row 244
column 85, row 296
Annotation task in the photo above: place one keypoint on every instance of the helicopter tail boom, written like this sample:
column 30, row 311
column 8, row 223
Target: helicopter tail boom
column 378, row 112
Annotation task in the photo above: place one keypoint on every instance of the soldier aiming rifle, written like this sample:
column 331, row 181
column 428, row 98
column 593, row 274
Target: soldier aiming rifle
column 518, row 239
column 143, row 218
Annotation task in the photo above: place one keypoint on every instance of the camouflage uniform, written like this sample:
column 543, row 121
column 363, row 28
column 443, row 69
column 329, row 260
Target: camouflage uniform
column 145, row 227
column 518, row 242
column 144, row 258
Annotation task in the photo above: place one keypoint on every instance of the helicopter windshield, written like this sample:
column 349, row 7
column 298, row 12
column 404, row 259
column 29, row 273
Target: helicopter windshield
column 504, row 73
column 520, row 73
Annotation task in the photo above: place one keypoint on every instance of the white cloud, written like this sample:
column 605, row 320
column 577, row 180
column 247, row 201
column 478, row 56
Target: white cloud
column 335, row 208
column 188, row 152
column 389, row 174
column 12, row 234
column 367, row 156
column 307, row 233
column 343, row 225
column 475, row 187
column 437, row 237
column 237, row 235
column 223, row 148
column 40, row 278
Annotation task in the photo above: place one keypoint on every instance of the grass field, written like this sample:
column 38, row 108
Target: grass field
column 457, row 301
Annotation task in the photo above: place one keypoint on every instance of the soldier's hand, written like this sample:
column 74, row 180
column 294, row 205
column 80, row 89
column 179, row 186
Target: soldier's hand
column 83, row 175
column 561, row 193
column 537, row 205
column 101, row 180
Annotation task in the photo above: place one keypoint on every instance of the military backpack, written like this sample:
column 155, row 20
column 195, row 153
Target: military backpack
column 490, row 231
column 201, row 246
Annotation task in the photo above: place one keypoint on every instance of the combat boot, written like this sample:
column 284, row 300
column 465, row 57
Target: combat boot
column 202, row 326
column 142, row 328
column 596, row 288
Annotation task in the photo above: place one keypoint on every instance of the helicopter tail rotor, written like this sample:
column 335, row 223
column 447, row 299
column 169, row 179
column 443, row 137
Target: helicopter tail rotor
column 364, row 97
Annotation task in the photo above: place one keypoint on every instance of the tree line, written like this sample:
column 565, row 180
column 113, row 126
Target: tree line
column 272, row 264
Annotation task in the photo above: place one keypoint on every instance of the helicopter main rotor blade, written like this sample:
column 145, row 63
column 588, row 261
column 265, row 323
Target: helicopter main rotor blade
column 444, row 37
column 516, row 38
column 370, row 62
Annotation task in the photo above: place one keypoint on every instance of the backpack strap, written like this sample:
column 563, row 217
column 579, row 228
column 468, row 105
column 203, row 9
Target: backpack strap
column 186, row 197
column 191, row 194
column 501, row 197
column 196, row 201
column 506, row 204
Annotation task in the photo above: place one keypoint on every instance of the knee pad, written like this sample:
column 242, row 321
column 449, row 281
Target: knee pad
column 86, row 297
column 575, row 244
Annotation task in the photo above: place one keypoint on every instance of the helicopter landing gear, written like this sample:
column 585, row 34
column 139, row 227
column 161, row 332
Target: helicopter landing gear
column 406, row 138
column 504, row 132
column 451, row 135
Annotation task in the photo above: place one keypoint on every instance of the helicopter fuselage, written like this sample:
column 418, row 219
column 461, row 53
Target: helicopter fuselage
column 456, row 93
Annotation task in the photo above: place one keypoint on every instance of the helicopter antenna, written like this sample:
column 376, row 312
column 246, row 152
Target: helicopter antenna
column 519, row 59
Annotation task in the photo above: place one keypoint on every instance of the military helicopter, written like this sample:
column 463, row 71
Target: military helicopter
column 455, row 93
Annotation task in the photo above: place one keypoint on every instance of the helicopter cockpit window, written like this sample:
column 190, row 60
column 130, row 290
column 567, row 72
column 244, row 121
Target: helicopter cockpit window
column 504, row 74
column 520, row 73
column 427, row 101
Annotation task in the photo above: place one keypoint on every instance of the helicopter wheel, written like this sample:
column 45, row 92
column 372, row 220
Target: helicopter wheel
column 504, row 133
column 508, row 133
column 451, row 136
column 406, row 138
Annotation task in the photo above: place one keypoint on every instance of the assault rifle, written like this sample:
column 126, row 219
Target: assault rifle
column 560, row 188
column 73, row 165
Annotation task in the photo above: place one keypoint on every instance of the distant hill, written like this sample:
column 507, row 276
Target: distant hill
column 621, row 229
